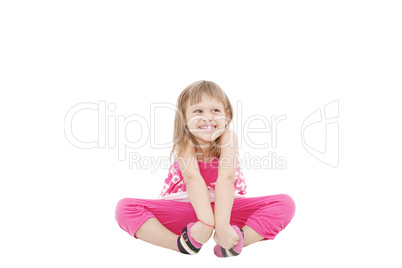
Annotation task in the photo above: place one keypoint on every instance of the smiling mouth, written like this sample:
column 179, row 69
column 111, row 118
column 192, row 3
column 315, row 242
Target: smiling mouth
column 208, row 129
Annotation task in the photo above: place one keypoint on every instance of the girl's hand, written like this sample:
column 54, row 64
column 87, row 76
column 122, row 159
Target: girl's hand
column 201, row 232
column 225, row 236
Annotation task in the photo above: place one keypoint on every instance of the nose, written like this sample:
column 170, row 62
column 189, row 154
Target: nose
column 209, row 117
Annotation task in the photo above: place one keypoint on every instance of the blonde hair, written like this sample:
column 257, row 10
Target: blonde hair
column 192, row 94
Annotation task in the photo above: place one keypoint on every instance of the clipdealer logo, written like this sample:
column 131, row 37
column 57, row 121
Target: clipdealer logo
column 320, row 134
column 112, row 133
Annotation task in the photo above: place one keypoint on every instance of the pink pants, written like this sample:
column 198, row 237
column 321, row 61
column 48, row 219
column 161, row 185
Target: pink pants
column 267, row 215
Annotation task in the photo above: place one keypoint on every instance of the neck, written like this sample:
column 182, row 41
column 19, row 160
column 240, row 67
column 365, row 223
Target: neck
column 204, row 152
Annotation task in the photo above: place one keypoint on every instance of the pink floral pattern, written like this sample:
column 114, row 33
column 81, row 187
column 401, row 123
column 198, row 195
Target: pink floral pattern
column 174, row 183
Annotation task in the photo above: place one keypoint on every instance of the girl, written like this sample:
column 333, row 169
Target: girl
column 205, row 189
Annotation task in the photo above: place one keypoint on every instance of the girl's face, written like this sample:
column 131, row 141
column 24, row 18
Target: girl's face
column 206, row 120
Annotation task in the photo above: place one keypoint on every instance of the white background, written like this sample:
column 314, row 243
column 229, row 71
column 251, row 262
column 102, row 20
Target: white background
column 285, row 58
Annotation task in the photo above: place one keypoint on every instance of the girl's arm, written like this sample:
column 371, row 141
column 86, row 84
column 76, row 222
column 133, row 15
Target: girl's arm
column 198, row 194
column 225, row 235
column 224, row 187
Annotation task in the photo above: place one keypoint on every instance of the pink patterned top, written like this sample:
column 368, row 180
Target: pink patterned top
column 174, row 187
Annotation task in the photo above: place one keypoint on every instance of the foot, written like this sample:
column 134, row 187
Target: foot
column 236, row 250
column 186, row 244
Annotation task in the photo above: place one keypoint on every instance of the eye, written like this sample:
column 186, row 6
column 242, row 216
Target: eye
column 200, row 110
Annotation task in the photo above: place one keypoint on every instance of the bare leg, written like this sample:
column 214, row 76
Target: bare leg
column 250, row 236
column 152, row 231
